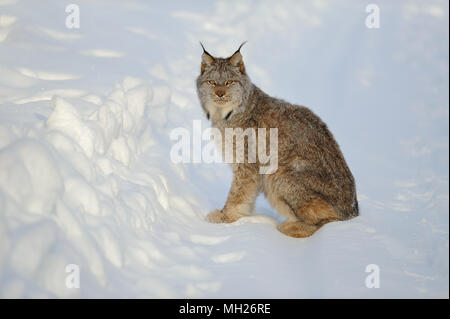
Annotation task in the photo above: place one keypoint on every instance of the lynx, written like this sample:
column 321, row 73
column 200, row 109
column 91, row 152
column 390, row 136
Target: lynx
column 312, row 184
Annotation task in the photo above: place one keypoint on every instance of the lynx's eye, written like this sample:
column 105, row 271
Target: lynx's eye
column 213, row 83
column 229, row 82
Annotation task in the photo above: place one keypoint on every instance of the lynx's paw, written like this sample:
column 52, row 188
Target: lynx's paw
column 217, row 217
column 297, row 229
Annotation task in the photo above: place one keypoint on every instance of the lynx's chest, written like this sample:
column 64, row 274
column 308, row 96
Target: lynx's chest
column 219, row 113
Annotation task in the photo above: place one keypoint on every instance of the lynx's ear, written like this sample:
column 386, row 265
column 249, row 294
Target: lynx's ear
column 207, row 59
column 236, row 59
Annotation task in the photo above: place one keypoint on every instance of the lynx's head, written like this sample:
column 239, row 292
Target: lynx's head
column 223, row 86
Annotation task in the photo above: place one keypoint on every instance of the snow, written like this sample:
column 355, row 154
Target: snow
column 86, row 178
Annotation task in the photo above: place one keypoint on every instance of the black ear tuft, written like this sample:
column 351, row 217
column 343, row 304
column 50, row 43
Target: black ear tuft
column 207, row 59
column 204, row 50
column 236, row 59
column 239, row 49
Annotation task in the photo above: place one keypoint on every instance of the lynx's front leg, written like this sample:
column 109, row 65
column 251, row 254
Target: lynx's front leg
column 241, row 199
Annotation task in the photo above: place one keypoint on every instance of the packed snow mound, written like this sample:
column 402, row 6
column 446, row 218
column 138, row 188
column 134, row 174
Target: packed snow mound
column 88, row 188
column 111, row 133
column 67, row 168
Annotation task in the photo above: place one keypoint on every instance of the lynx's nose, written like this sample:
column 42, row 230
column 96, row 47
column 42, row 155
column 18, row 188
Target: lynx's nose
column 220, row 93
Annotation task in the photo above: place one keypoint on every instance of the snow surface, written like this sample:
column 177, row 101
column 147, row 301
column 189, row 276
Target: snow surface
column 86, row 177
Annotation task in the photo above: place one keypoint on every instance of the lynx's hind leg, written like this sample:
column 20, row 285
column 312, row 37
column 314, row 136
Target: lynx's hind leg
column 282, row 207
column 318, row 212
column 292, row 227
column 313, row 216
